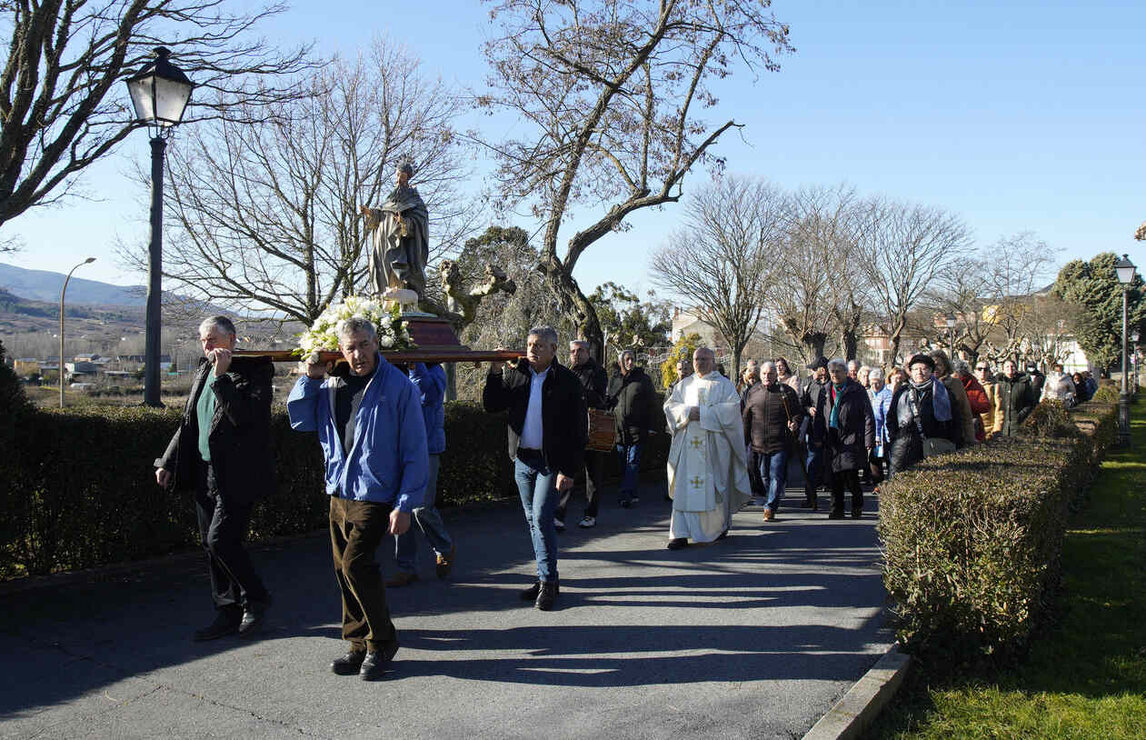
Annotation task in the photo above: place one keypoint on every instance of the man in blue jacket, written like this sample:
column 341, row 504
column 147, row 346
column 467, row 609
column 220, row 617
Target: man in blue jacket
column 430, row 380
column 373, row 436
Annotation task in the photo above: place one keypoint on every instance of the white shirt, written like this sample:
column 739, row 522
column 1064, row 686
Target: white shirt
column 531, row 431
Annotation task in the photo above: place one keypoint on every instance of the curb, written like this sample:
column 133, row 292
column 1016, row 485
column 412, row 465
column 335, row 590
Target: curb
column 853, row 713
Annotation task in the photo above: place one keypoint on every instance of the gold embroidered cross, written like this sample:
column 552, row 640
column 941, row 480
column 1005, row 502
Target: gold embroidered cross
column 697, row 481
column 696, row 443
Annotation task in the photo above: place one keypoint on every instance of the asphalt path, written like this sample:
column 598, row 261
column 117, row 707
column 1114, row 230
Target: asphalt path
column 755, row 636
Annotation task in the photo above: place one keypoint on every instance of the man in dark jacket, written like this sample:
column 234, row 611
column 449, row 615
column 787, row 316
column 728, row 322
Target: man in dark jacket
column 594, row 383
column 634, row 403
column 1015, row 398
column 547, row 434
column 814, row 454
column 846, row 427
column 772, row 416
column 222, row 453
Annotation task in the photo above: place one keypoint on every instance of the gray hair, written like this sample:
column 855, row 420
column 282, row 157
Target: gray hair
column 222, row 323
column 875, row 373
column 961, row 366
column 838, row 362
column 544, row 333
column 579, row 343
column 848, row 364
column 621, row 355
column 766, row 366
column 356, row 325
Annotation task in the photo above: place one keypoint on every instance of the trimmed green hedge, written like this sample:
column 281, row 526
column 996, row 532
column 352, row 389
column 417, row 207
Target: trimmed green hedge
column 78, row 488
column 973, row 540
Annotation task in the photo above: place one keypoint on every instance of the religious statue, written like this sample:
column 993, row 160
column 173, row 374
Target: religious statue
column 399, row 244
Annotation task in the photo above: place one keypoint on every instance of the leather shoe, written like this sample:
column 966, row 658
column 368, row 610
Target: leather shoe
column 769, row 515
column 400, row 579
column 857, row 512
column 546, row 595
column 254, row 617
column 677, row 543
column 226, row 623
column 348, row 664
column 836, row 514
column 531, row 593
column 375, row 663
column 445, row 562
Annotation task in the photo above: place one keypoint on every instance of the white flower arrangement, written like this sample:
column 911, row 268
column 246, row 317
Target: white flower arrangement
column 393, row 332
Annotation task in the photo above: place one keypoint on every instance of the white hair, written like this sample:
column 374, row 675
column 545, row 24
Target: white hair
column 875, row 373
column 766, row 366
column 838, row 362
column 545, row 333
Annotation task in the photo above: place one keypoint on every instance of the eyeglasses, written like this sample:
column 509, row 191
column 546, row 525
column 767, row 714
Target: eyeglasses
column 980, row 367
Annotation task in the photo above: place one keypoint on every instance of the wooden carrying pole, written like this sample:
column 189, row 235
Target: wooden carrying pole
column 449, row 354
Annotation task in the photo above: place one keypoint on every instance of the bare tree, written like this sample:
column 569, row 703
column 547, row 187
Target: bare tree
column 1016, row 266
column 62, row 104
column 906, row 248
column 266, row 217
column 609, row 94
column 721, row 261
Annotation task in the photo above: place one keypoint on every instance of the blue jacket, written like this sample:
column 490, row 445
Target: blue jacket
column 431, row 385
column 880, row 403
column 388, row 462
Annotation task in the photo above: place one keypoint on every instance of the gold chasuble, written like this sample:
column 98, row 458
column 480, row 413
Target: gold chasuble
column 707, row 471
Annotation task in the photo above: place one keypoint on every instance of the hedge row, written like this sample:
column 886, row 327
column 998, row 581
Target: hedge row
column 973, row 540
column 77, row 486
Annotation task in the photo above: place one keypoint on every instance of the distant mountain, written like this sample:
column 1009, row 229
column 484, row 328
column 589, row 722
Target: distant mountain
column 41, row 285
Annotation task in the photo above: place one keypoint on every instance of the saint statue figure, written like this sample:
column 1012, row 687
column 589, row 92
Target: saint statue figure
column 399, row 243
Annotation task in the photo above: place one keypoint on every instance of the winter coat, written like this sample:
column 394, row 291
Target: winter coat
column 1015, row 399
column 1059, row 387
column 880, row 403
column 959, row 398
column 906, row 444
column 767, row 411
column 564, row 419
column 991, row 389
column 845, row 447
column 980, row 403
column 240, row 434
column 634, row 403
column 431, row 384
column 594, row 383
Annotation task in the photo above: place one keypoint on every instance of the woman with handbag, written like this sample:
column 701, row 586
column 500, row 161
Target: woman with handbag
column 923, row 420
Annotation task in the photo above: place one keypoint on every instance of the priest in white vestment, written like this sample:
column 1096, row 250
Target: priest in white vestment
column 707, row 471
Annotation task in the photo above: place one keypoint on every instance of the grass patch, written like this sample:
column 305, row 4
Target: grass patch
column 1085, row 674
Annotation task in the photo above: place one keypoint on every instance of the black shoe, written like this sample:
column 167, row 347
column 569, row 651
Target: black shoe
column 634, row 500
column 857, row 512
column 348, row 664
column 626, row 504
column 375, row 663
column 723, row 535
column 836, row 514
column 530, row 594
column 254, row 617
column 546, row 595
column 677, row 543
column 226, row 623
column 559, row 524
column 808, row 503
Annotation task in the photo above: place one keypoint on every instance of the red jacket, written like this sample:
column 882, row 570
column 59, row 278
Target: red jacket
column 979, row 402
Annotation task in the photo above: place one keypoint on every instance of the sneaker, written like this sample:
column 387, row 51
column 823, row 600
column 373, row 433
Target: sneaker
column 588, row 521
column 559, row 524
column 445, row 562
column 349, row 664
column 254, row 617
column 400, row 579
column 375, row 663
column 226, row 623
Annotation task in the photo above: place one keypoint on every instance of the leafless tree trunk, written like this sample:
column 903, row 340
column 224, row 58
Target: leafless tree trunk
column 266, row 216
column 907, row 247
column 721, row 261
column 609, row 93
column 62, row 102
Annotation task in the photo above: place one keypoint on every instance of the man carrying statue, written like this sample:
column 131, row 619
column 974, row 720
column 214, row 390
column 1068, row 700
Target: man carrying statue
column 399, row 238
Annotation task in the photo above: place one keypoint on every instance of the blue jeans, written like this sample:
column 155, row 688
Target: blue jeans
column 427, row 519
column 537, row 486
column 630, row 458
column 774, row 468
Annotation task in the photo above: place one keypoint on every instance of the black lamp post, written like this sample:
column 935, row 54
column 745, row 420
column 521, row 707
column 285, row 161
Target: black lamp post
column 159, row 92
column 1124, row 269
column 950, row 319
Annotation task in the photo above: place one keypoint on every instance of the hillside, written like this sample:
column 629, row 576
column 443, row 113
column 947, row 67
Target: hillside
column 42, row 285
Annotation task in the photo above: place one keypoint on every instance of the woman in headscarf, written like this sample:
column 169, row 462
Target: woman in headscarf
column 920, row 409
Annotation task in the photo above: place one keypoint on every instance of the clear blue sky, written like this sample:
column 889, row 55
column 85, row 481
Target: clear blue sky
column 1018, row 116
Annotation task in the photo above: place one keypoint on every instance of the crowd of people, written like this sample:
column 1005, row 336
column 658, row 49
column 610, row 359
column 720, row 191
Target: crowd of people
column 381, row 429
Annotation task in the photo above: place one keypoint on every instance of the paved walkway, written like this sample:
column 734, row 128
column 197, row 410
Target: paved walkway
column 752, row 637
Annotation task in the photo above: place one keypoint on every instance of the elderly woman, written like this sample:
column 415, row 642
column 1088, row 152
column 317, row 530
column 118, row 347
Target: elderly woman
column 880, row 396
column 921, row 409
column 844, row 424
column 976, row 396
column 945, row 373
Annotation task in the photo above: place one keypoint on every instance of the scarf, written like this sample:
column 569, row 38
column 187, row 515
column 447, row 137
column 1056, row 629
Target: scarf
column 940, row 401
column 834, row 417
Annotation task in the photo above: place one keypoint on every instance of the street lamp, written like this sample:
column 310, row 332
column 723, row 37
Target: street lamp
column 950, row 319
column 1124, row 269
column 159, row 92
column 60, row 367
